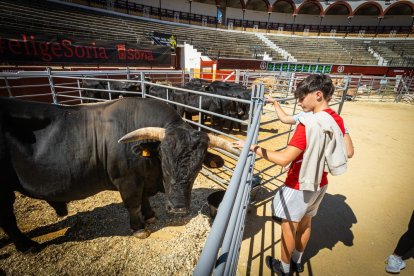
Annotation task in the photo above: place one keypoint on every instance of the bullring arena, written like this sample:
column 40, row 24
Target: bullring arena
column 223, row 60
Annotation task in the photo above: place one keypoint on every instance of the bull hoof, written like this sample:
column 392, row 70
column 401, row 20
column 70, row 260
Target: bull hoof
column 141, row 234
column 151, row 220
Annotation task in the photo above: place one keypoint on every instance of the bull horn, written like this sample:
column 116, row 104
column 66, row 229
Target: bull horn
column 222, row 144
column 153, row 133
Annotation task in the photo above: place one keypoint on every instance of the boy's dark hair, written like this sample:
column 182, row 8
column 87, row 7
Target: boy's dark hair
column 314, row 83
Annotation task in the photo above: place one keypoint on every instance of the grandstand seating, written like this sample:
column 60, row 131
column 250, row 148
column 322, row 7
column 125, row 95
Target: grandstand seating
column 38, row 17
column 326, row 50
column 46, row 17
column 395, row 52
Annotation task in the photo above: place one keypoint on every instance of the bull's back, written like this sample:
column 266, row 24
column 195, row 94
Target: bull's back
column 67, row 153
column 50, row 150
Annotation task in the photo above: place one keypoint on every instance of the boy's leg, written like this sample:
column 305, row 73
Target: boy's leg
column 303, row 233
column 288, row 239
column 406, row 242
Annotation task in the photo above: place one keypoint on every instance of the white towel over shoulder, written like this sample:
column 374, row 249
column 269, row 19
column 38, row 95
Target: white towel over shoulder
column 325, row 150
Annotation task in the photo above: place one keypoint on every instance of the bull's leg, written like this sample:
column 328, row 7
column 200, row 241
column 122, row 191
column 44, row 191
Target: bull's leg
column 147, row 212
column 132, row 198
column 61, row 208
column 9, row 225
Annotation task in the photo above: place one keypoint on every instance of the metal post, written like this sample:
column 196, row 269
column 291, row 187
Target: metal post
column 80, row 91
column 349, row 24
column 143, row 84
column 344, row 93
column 109, row 90
column 189, row 15
column 6, row 81
column 379, row 22
column 293, row 27
column 160, row 9
column 268, row 19
column 128, row 73
column 320, row 23
column 244, row 11
column 52, row 85
column 237, row 78
column 200, row 114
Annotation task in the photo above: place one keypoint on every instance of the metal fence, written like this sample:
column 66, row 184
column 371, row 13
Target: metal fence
column 358, row 87
column 221, row 250
column 65, row 88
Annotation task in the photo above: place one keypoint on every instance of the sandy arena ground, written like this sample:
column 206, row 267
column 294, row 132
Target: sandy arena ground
column 358, row 225
column 364, row 212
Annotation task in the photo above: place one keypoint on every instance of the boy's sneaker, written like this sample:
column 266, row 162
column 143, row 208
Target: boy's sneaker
column 276, row 266
column 394, row 264
column 297, row 267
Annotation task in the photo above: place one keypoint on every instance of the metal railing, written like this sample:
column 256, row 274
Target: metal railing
column 227, row 230
column 358, row 87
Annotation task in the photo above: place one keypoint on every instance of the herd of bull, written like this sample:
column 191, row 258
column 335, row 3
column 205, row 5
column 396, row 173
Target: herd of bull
column 189, row 101
column 137, row 146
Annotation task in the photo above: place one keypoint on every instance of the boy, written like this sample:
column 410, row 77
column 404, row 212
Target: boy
column 318, row 139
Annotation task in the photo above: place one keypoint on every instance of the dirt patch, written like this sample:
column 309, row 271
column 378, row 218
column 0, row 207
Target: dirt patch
column 94, row 239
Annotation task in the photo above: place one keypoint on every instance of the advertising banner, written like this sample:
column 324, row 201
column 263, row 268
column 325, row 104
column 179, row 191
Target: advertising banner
column 43, row 49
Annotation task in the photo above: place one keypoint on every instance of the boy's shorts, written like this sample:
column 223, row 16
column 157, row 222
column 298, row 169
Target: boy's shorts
column 293, row 205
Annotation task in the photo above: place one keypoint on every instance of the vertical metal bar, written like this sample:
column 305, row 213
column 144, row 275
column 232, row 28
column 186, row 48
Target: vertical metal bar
column 344, row 93
column 182, row 77
column 231, row 265
column 143, row 88
column 109, row 90
column 52, row 86
column 128, row 73
column 208, row 255
column 6, row 81
column 226, row 255
column 200, row 99
column 80, row 91
column 254, row 87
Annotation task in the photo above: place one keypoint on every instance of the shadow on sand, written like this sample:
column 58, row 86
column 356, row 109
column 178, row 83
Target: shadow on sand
column 331, row 225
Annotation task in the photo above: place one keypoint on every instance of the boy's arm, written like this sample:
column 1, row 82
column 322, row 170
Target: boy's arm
column 281, row 114
column 349, row 145
column 282, row 158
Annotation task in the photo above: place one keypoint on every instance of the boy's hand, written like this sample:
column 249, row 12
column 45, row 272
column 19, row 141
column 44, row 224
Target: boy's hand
column 270, row 100
column 238, row 144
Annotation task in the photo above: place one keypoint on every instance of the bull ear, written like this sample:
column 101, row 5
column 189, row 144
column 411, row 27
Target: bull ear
column 222, row 144
column 146, row 133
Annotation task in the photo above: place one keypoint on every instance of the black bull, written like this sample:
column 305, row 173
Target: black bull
column 64, row 153
column 226, row 107
column 100, row 89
